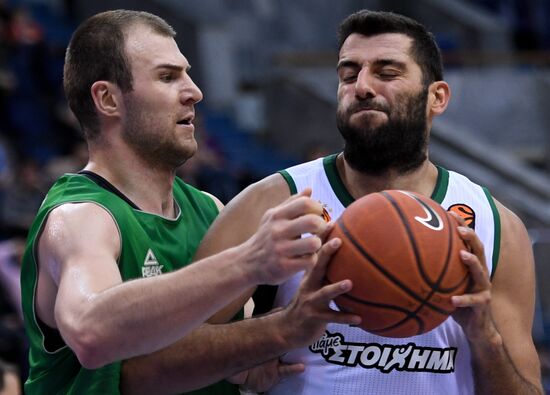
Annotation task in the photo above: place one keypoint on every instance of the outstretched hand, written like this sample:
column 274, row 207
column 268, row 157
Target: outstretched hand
column 474, row 308
column 308, row 313
column 302, row 322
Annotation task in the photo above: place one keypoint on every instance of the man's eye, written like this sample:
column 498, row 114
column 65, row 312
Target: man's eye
column 387, row 75
column 350, row 77
column 166, row 77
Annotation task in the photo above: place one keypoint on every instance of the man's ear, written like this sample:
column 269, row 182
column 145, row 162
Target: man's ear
column 439, row 94
column 106, row 96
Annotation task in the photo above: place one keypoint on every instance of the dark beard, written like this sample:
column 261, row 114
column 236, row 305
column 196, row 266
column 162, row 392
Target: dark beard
column 399, row 145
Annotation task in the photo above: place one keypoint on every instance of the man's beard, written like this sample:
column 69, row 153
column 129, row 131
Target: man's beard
column 400, row 144
column 148, row 138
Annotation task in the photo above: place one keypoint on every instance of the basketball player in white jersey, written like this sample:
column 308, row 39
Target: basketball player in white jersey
column 390, row 89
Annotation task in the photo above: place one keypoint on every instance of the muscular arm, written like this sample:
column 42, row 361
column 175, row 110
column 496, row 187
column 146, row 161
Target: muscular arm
column 236, row 223
column 213, row 352
column 504, row 359
column 103, row 319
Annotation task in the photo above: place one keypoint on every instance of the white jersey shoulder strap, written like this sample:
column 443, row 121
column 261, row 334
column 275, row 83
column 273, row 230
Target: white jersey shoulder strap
column 475, row 204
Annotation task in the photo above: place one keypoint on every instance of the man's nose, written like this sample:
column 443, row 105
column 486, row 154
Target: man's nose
column 364, row 85
column 191, row 91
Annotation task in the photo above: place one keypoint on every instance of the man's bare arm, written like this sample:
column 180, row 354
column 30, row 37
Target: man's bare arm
column 214, row 352
column 236, row 223
column 104, row 319
column 497, row 318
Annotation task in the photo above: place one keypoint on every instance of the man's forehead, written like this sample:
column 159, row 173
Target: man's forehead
column 143, row 44
column 381, row 45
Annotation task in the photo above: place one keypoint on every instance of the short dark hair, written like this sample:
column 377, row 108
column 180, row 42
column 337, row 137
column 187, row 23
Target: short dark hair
column 95, row 53
column 424, row 49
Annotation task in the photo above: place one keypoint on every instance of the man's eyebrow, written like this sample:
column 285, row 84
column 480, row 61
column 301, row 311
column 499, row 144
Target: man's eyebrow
column 346, row 63
column 378, row 62
column 390, row 62
column 174, row 67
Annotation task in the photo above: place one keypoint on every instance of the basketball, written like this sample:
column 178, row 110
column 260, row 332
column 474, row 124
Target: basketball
column 401, row 250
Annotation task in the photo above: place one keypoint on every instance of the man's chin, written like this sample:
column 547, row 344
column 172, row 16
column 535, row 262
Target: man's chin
column 187, row 152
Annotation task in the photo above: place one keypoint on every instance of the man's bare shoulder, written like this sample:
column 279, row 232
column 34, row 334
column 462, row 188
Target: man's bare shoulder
column 263, row 194
column 508, row 217
column 77, row 238
column 78, row 218
column 74, row 228
column 241, row 216
column 515, row 247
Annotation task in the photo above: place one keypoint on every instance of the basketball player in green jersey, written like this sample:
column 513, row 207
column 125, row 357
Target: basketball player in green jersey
column 390, row 89
column 127, row 217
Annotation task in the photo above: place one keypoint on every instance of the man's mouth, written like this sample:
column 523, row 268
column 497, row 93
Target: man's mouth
column 366, row 108
column 185, row 121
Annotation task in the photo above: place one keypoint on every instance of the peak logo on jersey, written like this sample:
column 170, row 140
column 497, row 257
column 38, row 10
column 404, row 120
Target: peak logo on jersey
column 466, row 212
column 384, row 357
column 151, row 267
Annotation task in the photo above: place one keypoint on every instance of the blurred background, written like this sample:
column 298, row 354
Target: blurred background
column 267, row 69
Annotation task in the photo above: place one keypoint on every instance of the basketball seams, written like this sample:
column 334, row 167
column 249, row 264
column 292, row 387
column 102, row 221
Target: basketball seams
column 404, row 220
column 381, row 269
column 419, row 263
column 410, row 236
column 435, row 285
column 408, row 314
column 448, row 262
column 450, row 244
column 403, row 307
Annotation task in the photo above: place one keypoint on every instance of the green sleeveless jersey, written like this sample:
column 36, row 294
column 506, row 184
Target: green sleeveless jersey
column 150, row 245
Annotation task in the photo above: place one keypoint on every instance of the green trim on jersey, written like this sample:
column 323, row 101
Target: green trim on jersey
column 439, row 193
column 496, row 242
column 441, row 185
column 329, row 163
column 150, row 245
column 345, row 197
column 289, row 181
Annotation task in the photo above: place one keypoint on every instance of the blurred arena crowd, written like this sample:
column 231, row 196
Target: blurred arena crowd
column 39, row 141
column 40, row 138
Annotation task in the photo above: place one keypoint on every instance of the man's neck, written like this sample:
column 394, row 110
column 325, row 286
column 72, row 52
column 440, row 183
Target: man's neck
column 421, row 180
column 150, row 188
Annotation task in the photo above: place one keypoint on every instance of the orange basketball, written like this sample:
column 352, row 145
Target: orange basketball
column 401, row 250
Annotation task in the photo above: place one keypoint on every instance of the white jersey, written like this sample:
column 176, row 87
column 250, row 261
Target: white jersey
column 348, row 360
